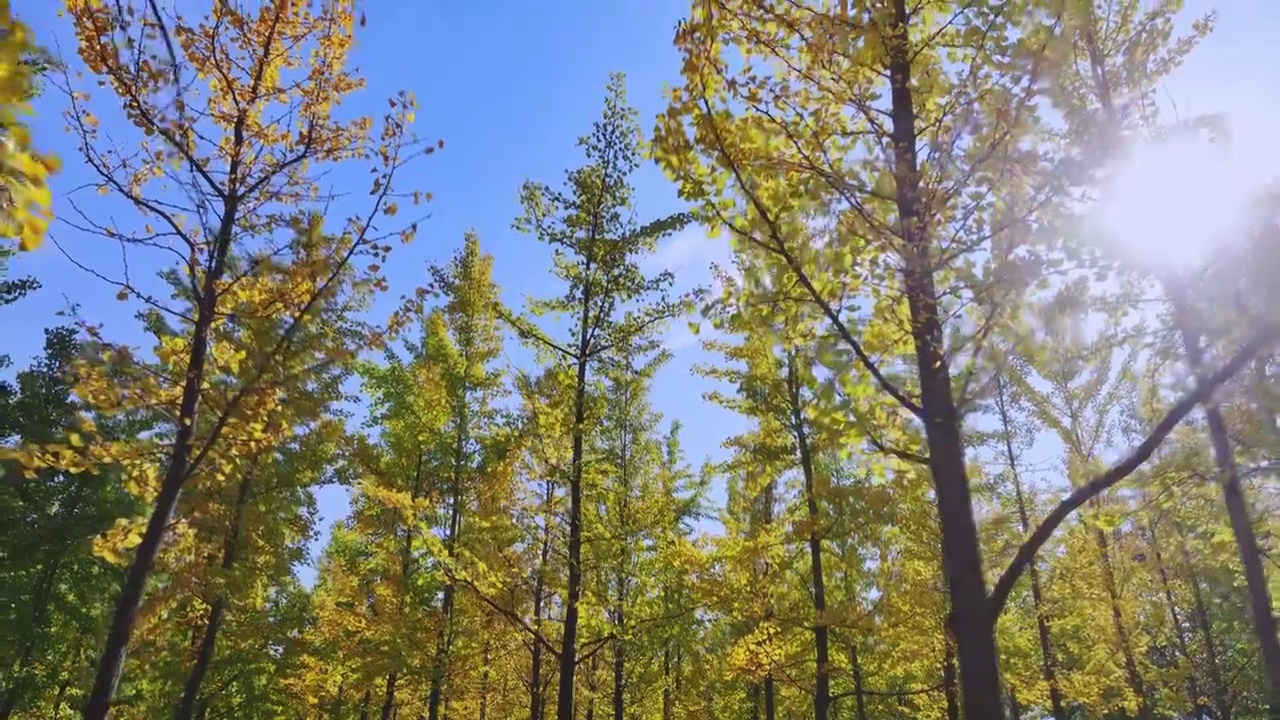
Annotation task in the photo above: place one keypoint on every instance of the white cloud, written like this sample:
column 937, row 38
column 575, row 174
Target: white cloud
column 689, row 255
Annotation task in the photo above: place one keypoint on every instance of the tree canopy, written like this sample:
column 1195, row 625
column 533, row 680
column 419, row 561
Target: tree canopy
column 991, row 464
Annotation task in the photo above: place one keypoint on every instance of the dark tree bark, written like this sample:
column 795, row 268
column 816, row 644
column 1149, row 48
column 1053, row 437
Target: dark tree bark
column 1049, row 661
column 213, row 623
column 1180, row 635
column 821, row 633
column 1260, row 605
column 971, row 623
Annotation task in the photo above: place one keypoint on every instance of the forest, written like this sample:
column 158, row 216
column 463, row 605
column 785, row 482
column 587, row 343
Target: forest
column 996, row 464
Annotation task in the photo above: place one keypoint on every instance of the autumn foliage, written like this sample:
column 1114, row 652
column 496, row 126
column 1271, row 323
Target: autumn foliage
column 986, row 466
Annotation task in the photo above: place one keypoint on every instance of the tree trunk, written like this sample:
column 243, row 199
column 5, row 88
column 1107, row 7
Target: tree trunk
column 859, row 691
column 821, row 639
column 619, row 679
column 484, row 680
column 972, row 621
column 1221, row 697
column 364, row 705
column 537, row 707
column 213, row 624
column 770, row 709
column 573, row 592
column 1180, row 636
column 949, row 689
column 1049, row 661
column 389, row 696
column 1260, row 606
column 666, row 683
column 1132, row 673
column 111, row 662
column 440, row 670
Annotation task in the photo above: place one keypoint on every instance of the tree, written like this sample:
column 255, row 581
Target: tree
column 258, row 112
column 898, row 165
column 597, row 245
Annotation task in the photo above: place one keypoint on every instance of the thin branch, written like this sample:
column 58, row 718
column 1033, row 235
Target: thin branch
column 1027, row 552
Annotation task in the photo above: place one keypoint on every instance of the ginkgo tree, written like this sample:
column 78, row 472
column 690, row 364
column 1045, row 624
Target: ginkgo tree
column 233, row 114
column 889, row 178
column 607, row 299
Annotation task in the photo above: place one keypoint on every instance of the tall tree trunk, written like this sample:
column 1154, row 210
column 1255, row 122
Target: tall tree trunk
column 1179, row 635
column 1049, row 661
column 859, row 691
column 619, row 680
column 389, row 696
column 537, row 707
column 1132, row 673
column 821, row 637
column 485, row 670
column 440, row 670
column 365, row 700
column 1221, row 696
column 949, row 681
column 213, row 622
column 770, row 707
column 667, row 707
column 753, row 695
column 972, row 621
column 573, row 592
column 1263, row 613
column 177, row 470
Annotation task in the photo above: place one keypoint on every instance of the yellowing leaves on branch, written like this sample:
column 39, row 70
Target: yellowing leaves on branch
column 264, row 491
column 234, row 120
column 24, row 171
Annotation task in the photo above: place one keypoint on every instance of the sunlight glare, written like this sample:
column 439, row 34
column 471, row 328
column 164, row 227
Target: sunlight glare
column 1171, row 202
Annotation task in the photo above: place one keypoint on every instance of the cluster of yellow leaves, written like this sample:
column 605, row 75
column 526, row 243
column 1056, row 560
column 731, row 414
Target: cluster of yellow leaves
column 24, row 171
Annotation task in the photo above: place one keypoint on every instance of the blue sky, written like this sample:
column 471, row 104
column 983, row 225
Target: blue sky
column 508, row 87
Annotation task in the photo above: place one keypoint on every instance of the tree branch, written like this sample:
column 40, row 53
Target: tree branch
column 1027, row 552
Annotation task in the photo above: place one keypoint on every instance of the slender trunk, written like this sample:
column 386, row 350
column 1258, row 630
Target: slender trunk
column 569, row 641
column 1015, row 709
column 204, row 658
column 389, row 696
column 364, row 704
column 753, row 695
column 111, row 662
column 484, row 680
column 61, row 697
column 1260, row 607
column 624, row 558
column 949, row 681
column 1049, row 661
column 1221, row 696
column 666, row 684
column 619, row 680
column 972, row 620
column 1132, row 673
column 770, row 708
column 1179, row 635
column 859, row 691
column 440, row 670
column 335, row 709
column 593, row 686
column 821, row 639
column 213, row 623
column 537, row 707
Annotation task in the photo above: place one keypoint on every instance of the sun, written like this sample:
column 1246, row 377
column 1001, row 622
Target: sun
column 1171, row 202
